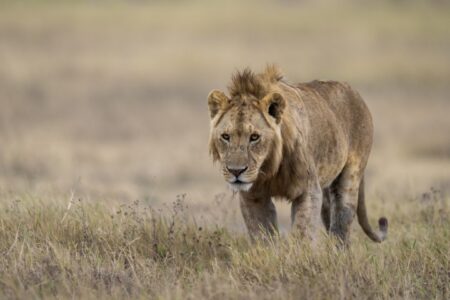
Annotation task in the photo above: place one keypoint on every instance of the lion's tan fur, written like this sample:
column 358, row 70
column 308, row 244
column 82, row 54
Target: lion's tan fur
column 321, row 136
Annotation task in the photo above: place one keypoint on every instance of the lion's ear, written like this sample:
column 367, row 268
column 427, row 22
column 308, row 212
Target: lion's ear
column 274, row 105
column 217, row 100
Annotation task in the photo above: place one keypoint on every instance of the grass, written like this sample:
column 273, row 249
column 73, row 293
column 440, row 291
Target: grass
column 86, row 250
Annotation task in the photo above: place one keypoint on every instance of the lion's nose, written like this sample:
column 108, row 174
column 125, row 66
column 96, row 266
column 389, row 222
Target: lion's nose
column 237, row 171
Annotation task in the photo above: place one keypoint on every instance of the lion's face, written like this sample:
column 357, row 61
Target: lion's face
column 245, row 133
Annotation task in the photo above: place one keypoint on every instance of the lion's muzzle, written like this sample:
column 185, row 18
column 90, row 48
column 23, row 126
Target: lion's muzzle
column 236, row 171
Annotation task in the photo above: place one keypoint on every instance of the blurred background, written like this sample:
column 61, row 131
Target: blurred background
column 108, row 99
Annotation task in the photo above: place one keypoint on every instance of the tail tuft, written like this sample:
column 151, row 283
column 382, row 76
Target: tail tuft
column 383, row 226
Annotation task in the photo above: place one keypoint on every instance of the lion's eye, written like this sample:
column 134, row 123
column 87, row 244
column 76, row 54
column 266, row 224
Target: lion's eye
column 254, row 137
column 226, row 137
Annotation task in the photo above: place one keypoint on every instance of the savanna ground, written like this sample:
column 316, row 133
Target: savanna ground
column 106, row 187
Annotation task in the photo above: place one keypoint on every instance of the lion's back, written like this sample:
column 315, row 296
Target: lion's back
column 342, row 111
column 349, row 108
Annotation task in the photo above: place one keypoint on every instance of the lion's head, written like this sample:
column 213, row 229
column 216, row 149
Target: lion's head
column 245, row 132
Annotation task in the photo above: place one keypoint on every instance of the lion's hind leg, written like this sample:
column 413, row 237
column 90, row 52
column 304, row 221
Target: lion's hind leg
column 325, row 212
column 344, row 203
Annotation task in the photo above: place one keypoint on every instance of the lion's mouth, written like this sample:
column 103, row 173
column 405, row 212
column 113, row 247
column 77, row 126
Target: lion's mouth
column 239, row 185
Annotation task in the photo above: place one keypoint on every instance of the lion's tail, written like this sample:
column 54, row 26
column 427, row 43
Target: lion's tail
column 364, row 222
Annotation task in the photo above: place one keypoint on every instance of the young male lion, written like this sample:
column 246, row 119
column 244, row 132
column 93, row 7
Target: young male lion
column 308, row 143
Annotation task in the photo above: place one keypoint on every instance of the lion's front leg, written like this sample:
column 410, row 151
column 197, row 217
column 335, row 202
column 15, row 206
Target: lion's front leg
column 260, row 216
column 306, row 213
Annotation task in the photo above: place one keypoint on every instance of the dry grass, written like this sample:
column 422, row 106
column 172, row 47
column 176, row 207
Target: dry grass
column 91, row 251
column 108, row 100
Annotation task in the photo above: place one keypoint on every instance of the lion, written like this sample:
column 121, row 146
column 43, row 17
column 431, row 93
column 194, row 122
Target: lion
column 308, row 143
